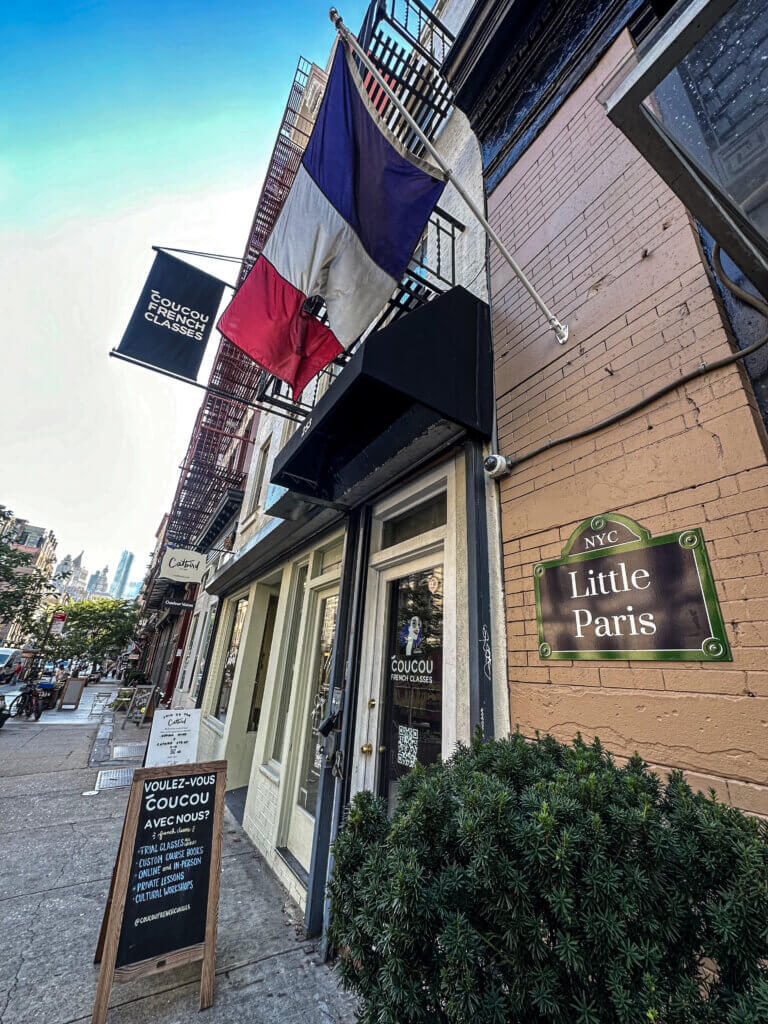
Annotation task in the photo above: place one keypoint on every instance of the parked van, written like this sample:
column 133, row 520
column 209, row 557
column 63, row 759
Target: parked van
column 10, row 657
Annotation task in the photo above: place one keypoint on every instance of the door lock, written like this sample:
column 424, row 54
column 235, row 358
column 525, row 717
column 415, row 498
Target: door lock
column 367, row 748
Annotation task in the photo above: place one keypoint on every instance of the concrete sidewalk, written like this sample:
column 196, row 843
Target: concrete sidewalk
column 57, row 849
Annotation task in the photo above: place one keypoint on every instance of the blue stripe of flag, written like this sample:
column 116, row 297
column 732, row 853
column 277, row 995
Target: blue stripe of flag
column 382, row 195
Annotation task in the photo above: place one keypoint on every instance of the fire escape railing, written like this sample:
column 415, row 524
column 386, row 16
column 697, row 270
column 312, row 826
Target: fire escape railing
column 407, row 45
column 217, row 455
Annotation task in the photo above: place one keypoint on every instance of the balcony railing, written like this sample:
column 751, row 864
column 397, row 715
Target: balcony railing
column 431, row 272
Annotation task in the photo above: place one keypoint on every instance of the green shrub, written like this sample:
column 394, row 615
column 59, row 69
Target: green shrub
column 536, row 882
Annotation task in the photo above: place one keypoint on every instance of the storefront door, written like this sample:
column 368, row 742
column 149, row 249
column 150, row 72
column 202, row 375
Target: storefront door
column 413, row 677
column 321, row 630
column 409, row 704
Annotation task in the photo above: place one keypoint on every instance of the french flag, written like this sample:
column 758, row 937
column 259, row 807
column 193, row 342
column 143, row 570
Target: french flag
column 355, row 213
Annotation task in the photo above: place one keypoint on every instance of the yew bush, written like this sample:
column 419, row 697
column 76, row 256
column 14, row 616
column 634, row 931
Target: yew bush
column 540, row 882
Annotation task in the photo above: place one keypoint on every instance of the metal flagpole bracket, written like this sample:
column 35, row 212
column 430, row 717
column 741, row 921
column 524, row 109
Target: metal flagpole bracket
column 560, row 329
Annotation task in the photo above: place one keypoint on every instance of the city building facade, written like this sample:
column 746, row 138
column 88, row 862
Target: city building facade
column 383, row 573
column 630, row 270
column 39, row 544
column 376, row 596
column 71, row 578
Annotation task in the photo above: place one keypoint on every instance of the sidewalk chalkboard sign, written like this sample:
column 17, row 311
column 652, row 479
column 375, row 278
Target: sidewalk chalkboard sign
column 162, row 909
column 71, row 694
column 619, row 593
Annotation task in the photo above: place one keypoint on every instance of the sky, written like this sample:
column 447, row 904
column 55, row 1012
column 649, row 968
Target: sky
column 124, row 124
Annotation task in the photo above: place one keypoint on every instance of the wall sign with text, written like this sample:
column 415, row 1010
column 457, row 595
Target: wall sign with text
column 619, row 593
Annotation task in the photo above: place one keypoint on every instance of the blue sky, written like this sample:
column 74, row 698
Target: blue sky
column 118, row 99
column 123, row 124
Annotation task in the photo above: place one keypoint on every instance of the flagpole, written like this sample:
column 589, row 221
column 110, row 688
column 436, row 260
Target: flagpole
column 560, row 329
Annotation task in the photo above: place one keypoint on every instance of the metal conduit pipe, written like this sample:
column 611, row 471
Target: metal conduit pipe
column 700, row 371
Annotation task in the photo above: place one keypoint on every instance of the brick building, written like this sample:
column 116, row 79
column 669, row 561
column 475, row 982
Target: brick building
column 625, row 265
column 39, row 545
column 363, row 570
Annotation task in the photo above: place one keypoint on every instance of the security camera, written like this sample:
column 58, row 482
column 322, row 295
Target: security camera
column 496, row 466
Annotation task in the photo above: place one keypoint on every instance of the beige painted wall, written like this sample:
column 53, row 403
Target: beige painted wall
column 617, row 256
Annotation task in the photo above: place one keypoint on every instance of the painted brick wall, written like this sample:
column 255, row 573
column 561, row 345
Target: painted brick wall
column 616, row 255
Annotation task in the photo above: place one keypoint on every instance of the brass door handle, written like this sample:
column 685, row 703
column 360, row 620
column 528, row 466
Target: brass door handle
column 367, row 748
column 382, row 750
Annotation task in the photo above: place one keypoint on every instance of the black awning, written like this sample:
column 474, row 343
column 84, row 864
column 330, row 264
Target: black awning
column 413, row 389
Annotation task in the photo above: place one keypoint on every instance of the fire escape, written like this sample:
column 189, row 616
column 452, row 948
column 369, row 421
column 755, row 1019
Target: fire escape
column 407, row 44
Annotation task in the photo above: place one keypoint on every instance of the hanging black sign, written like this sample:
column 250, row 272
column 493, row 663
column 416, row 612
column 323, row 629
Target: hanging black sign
column 178, row 604
column 619, row 593
column 173, row 318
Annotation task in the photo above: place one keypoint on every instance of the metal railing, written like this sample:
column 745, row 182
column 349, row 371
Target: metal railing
column 431, row 271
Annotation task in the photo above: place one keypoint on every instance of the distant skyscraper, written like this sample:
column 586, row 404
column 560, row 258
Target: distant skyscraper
column 132, row 591
column 102, row 586
column 121, row 576
column 71, row 577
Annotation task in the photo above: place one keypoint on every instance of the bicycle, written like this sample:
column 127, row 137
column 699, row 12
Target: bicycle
column 27, row 703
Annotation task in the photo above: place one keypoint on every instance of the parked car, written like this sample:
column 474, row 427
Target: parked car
column 10, row 657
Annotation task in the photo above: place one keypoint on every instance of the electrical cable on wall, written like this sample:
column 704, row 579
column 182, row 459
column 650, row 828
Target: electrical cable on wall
column 700, row 371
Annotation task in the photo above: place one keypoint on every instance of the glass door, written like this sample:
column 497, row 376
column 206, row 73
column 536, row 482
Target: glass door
column 321, row 638
column 413, row 677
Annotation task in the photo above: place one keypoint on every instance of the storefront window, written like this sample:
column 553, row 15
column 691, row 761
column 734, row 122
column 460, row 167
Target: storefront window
column 261, row 669
column 188, row 655
column 230, row 660
column 318, row 699
column 427, row 516
column 331, row 557
column 205, row 647
column 289, row 665
column 413, row 676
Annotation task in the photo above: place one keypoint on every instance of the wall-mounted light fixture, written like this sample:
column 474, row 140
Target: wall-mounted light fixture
column 693, row 99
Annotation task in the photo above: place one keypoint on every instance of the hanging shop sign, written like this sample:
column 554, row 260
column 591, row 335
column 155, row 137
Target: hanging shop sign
column 162, row 906
column 182, row 565
column 619, row 593
column 173, row 318
column 178, row 604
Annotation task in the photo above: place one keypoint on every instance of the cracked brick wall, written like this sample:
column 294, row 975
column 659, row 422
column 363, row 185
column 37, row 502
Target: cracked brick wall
column 617, row 257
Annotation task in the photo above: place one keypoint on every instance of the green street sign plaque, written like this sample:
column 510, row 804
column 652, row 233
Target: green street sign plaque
column 618, row 593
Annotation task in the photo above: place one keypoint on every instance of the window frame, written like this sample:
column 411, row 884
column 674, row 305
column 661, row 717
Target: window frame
column 260, row 471
column 624, row 102
column 235, row 605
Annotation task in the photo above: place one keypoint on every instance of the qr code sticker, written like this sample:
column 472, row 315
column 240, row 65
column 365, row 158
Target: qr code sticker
column 407, row 745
